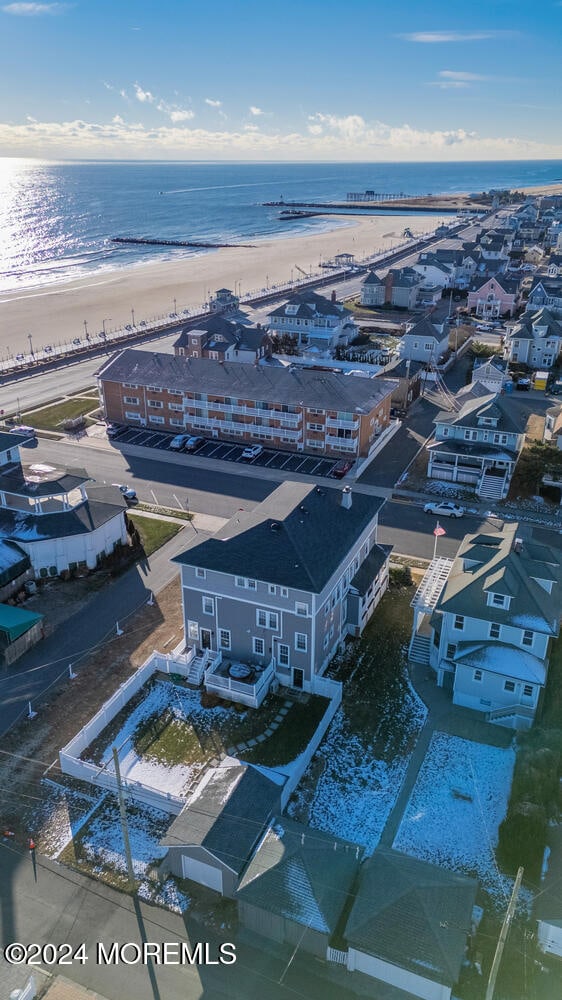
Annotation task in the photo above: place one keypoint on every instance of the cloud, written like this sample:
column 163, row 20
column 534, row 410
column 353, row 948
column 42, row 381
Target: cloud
column 251, row 128
column 213, row 104
column 34, row 9
column 174, row 112
column 256, row 111
column 144, row 96
column 436, row 37
column 450, row 74
column 334, row 137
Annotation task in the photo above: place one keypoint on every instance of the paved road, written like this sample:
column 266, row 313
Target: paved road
column 64, row 906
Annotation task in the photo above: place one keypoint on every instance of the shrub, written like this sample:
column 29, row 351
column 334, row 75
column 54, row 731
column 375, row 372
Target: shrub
column 522, row 837
column 400, row 576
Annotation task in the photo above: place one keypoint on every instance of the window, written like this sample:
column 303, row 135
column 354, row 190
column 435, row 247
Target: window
column 208, row 606
column 301, row 642
column 284, row 591
column 528, row 690
column 267, row 619
column 131, row 400
column 498, row 600
column 509, row 686
column 495, row 630
column 239, row 581
column 283, row 655
column 301, row 609
column 459, row 622
column 200, row 572
column 242, row 581
column 258, row 646
column 156, row 420
column 528, row 637
column 451, row 650
column 131, row 415
column 155, row 404
column 251, row 584
column 224, row 638
column 193, row 631
column 477, row 675
column 272, row 589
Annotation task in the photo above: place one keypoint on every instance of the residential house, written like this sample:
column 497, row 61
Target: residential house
column 407, row 377
column 297, row 409
column 554, row 266
column 403, row 287
column 296, row 885
column 409, row 924
column 548, row 899
column 424, row 341
column 478, row 443
column 224, row 340
column 553, row 426
column 535, row 340
column 434, row 272
column 373, row 290
column 217, row 831
column 279, row 587
column 314, row 320
column 491, row 297
column 487, row 619
column 545, row 292
column 52, row 518
column 491, row 373
column 224, row 301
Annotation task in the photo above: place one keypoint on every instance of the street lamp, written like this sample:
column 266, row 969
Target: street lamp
column 86, row 329
column 103, row 322
column 29, row 336
column 133, row 316
column 175, row 309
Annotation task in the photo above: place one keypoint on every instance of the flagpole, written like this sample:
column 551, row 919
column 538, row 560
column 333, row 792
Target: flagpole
column 436, row 537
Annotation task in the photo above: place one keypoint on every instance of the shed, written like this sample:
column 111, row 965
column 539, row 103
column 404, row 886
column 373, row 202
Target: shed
column 409, row 924
column 297, row 885
column 15, row 622
column 214, row 836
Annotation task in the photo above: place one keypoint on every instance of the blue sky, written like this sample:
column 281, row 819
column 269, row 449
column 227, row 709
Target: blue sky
column 361, row 80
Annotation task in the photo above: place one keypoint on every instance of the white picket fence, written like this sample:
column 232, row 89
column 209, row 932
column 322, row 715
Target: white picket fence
column 328, row 689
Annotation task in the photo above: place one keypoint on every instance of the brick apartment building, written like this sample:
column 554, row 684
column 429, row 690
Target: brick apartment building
column 292, row 408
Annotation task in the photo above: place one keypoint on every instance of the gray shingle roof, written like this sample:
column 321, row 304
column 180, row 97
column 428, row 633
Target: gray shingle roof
column 228, row 813
column 481, row 403
column 11, row 440
column 302, row 874
column 372, row 279
column 295, row 386
column 509, row 285
column 425, row 329
column 527, row 328
column 311, row 304
column 231, row 331
column 488, row 564
column 103, row 504
column 412, row 914
column 370, row 567
column 297, row 537
column 27, row 482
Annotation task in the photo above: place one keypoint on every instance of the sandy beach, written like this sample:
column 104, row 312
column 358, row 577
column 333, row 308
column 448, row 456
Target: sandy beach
column 56, row 313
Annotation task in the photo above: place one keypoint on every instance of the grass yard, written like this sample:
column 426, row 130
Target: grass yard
column 154, row 531
column 51, row 418
column 292, row 737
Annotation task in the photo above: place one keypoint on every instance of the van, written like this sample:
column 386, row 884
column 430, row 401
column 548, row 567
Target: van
column 29, row 432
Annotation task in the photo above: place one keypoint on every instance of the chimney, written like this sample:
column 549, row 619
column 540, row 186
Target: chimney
column 346, row 497
column 388, row 282
column 517, row 546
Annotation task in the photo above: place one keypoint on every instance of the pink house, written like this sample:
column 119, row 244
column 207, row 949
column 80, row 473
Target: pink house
column 492, row 297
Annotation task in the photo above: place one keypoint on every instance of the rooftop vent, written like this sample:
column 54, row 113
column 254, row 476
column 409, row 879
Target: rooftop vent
column 303, row 509
column 346, row 497
column 275, row 526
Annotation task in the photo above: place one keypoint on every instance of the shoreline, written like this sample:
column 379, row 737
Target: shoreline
column 57, row 312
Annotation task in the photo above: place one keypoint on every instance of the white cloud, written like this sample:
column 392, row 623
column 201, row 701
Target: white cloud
column 123, row 93
column 251, row 128
column 144, row 96
column 448, row 84
column 453, row 74
column 256, row 111
column 348, row 138
column 433, row 37
column 213, row 104
column 117, row 120
column 34, row 9
column 181, row 115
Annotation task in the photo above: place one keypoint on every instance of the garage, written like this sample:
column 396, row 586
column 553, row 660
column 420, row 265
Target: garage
column 200, row 872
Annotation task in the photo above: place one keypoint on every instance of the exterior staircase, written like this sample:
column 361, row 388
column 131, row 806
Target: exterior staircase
column 492, row 487
column 197, row 667
column 512, row 716
column 420, row 646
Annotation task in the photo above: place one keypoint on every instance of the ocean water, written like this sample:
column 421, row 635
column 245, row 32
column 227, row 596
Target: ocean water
column 57, row 219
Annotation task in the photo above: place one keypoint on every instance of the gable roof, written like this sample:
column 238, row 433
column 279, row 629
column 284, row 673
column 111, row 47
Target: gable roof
column 372, row 278
column 508, row 285
column 297, row 537
column 310, row 304
column 215, row 326
column 412, row 914
column 528, row 326
column 425, row 329
column 488, row 563
column 227, row 813
column 480, row 403
column 302, row 874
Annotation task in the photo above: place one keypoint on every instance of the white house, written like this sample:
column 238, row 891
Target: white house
column 424, row 341
column 485, row 622
column 434, row 272
column 490, row 372
column 535, row 340
column 546, row 291
column 372, row 290
column 314, row 320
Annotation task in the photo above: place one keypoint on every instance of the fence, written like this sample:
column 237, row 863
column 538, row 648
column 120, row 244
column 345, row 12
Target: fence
column 328, row 689
column 69, row 756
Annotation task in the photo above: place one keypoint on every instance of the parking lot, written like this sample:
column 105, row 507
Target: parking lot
column 310, row 465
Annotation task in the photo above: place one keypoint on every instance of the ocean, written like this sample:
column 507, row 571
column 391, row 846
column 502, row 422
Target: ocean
column 57, row 219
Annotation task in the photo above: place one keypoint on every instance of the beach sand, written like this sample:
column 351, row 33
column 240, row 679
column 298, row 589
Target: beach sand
column 55, row 313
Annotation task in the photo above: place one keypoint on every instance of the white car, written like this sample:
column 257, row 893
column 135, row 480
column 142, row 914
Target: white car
column 444, row 508
column 129, row 494
column 251, row 452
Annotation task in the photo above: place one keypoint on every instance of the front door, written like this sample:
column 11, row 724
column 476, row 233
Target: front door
column 298, row 677
column 206, row 638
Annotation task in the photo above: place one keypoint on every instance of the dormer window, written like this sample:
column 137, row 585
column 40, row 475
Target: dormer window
column 498, row 600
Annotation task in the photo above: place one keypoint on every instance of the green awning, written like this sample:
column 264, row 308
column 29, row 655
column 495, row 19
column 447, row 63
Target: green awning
column 16, row 621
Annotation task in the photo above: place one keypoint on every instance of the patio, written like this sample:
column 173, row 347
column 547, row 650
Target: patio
column 246, row 683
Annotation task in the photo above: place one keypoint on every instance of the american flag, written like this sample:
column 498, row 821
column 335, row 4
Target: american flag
column 438, row 530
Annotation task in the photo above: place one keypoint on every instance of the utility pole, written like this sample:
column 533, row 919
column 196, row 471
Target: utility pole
column 124, row 827
column 503, row 936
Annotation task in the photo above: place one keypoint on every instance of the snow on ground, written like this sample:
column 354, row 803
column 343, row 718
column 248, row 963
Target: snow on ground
column 357, row 788
column 101, row 843
column 185, row 704
column 60, row 816
column 457, row 804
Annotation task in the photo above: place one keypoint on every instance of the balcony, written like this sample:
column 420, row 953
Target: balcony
column 249, row 690
column 346, row 425
column 342, row 444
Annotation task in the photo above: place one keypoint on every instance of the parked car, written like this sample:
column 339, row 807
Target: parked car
column 341, row 468
column 484, row 327
column 48, row 349
column 523, row 384
column 251, row 452
column 112, row 430
column 194, row 443
column 129, row 494
column 77, row 341
column 29, row 432
column 179, row 441
column 444, row 508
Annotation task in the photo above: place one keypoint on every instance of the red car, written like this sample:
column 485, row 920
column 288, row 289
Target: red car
column 341, row 468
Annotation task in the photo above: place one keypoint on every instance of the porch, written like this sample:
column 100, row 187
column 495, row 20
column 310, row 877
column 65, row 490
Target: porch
column 244, row 683
column 424, row 602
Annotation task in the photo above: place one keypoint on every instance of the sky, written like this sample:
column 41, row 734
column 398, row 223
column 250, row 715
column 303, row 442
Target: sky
column 364, row 80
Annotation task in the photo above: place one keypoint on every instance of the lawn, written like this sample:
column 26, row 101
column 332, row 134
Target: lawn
column 455, row 809
column 353, row 781
column 154, row 531
column 292, row 737
column 51, row 418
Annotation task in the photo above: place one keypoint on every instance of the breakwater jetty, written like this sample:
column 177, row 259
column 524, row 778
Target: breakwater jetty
column 143, row 240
